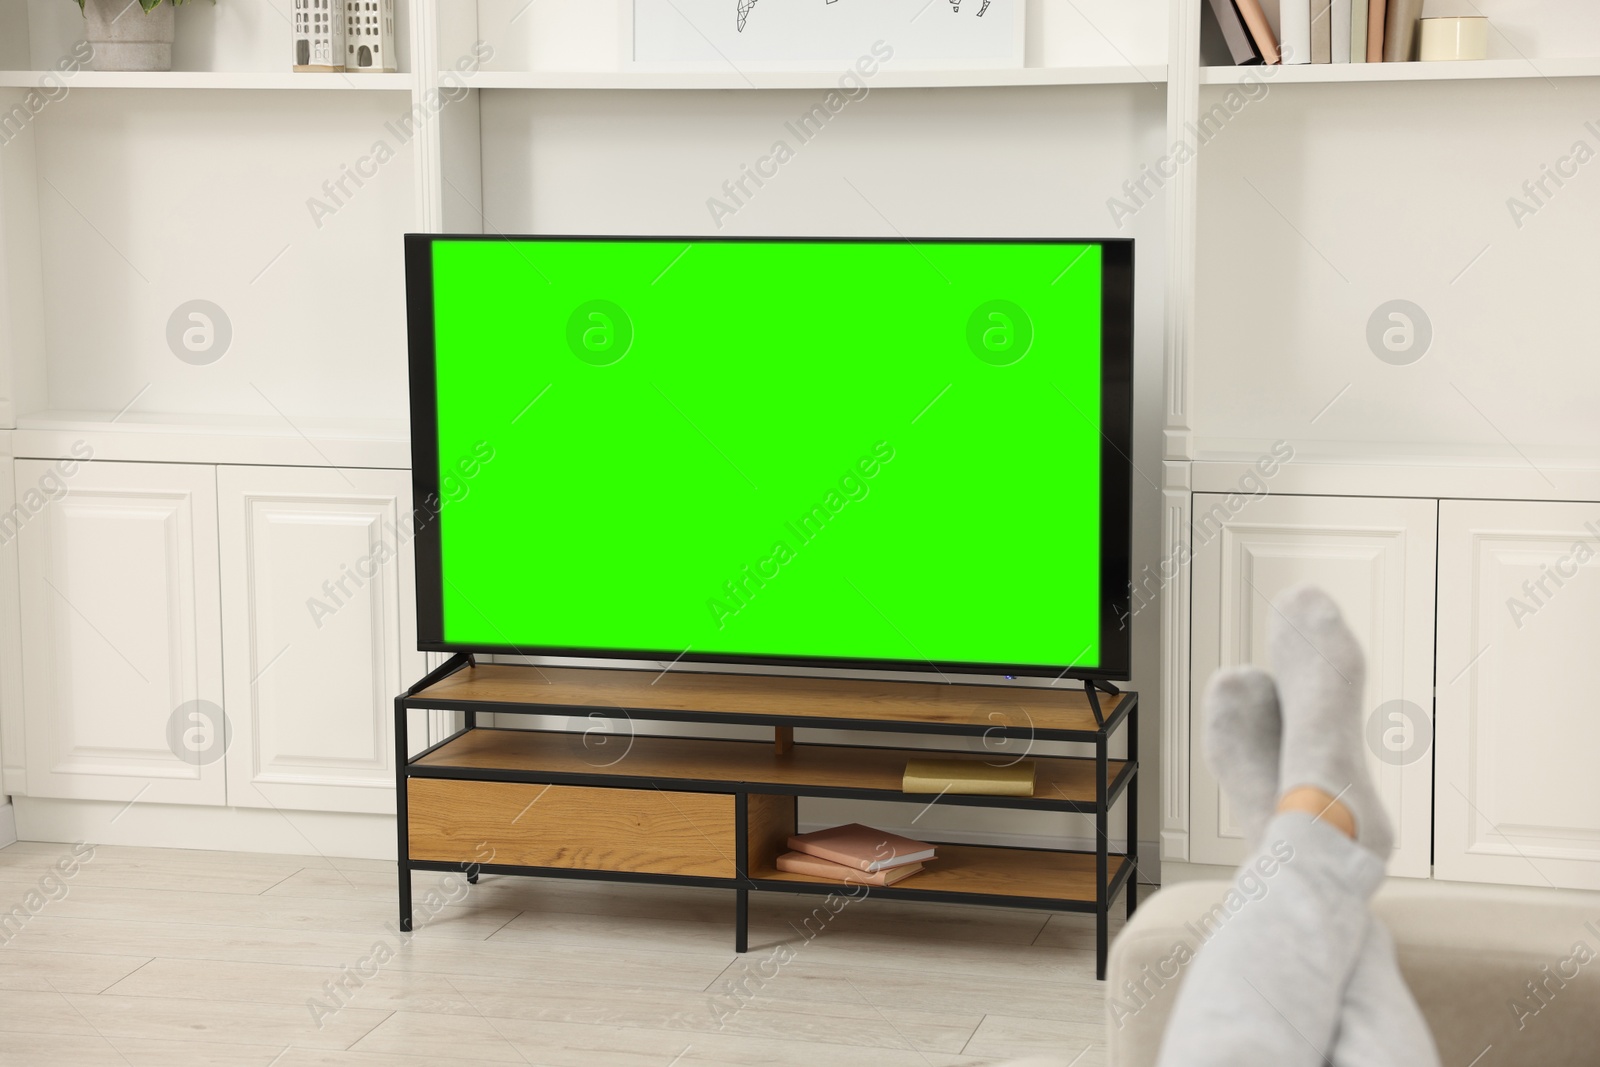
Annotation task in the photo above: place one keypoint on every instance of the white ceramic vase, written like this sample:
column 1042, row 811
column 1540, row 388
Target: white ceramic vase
column 126, row 37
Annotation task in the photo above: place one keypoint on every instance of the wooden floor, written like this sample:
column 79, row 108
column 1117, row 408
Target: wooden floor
column 169, row 958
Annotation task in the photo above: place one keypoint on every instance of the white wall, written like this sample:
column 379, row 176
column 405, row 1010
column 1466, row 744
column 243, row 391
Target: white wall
column 1318, row 203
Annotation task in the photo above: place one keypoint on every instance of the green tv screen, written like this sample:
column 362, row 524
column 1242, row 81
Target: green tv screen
column 867, row 453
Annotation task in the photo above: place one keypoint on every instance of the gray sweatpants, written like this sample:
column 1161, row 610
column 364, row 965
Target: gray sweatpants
column 1300, row 973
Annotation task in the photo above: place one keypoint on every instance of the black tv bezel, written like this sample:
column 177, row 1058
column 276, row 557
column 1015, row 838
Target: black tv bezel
column 1116, row 469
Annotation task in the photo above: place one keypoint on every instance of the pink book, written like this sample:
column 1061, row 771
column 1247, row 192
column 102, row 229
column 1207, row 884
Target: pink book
column 829, row 871
column 1376, row 13
column 862, row 847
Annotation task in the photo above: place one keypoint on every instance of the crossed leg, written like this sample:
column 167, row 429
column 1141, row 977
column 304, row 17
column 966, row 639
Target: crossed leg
column 1299, row 972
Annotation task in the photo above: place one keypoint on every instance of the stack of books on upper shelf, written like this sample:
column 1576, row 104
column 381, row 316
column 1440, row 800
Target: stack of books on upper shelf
column 1318, row 31
column 856, row 854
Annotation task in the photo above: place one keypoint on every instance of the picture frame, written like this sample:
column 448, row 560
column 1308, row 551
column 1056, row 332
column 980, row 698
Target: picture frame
column 723, row 36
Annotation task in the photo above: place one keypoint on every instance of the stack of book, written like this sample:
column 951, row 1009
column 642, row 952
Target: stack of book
column 855, row 853
column 1319, row 31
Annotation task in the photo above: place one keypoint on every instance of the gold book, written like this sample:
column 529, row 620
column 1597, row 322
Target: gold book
column 971, row 777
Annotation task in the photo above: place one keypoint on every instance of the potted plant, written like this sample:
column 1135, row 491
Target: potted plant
column 127, row 39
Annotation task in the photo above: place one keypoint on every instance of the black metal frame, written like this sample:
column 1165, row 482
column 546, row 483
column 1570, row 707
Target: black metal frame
column 1116, row 466
column 1108, row 790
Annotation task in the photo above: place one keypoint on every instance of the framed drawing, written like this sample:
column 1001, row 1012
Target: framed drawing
column 764, row 35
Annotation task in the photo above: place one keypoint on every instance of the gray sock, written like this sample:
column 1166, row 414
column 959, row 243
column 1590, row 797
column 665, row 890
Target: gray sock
column 1321, row 676
column 1242, row 742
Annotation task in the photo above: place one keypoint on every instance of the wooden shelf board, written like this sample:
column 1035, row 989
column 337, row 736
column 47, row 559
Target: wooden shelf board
column 752, row 763
column 197, row 79
column 1463, row 70
column 978, row 869
column 753, row 698
column 1153, row 74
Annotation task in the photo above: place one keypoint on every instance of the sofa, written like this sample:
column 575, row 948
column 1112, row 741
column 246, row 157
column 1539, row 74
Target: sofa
column 1505, row 977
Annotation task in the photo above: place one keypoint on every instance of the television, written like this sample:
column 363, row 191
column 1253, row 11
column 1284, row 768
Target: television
column 908, row 455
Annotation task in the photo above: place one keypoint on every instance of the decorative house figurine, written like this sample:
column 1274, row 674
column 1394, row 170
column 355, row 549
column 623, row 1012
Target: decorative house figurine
column 369, row 36
column 319, row 35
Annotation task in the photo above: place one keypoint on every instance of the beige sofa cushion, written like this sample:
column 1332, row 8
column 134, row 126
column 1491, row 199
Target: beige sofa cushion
column 1505, row 976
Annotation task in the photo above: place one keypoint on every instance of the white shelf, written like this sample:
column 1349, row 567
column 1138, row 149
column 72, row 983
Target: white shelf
column 884, row 79
column 1468, row 70
column 241, row 439
column 194, row 79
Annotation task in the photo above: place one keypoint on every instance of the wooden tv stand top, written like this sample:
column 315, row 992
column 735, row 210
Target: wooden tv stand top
column 930, row 707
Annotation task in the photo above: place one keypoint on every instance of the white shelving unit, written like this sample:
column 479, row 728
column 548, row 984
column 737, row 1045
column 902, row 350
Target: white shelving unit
column 1149, row 74
column 201, row 79
column 1473, row 70
column 1270, row 226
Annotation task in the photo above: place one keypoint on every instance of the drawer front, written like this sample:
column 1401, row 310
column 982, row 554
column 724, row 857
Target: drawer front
column 577, row 827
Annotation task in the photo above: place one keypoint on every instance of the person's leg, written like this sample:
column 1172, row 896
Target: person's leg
column 1266, row 989
column 1268, row 985
column 1381, row 1025
column 1379, row 1022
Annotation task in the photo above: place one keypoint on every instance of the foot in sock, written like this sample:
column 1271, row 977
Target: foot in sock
column 1321, row 678
column 1242, row 741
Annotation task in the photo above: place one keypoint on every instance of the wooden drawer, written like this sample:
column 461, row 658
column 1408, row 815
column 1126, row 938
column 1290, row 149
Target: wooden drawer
column 577, row 827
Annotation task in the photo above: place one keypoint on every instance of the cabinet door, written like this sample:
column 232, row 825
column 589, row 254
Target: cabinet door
column 1375, row 557
column 122, row 664
column 1517, row 797
column 318, row 634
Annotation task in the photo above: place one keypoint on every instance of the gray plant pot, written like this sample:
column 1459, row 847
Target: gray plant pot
column 125, row 37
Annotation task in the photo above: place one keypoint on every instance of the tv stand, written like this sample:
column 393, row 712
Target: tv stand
column 717, row 812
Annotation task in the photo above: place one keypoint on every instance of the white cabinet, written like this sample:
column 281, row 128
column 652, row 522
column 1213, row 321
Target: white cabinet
column 121, row 636
column 1375, row 557
column 1517, row 797
column 318, row 633
column 194, row 634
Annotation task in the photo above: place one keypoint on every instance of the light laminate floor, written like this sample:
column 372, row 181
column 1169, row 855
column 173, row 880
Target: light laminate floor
column 170, row 958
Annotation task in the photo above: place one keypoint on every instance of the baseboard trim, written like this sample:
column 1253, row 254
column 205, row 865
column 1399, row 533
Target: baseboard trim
column 295, row 833
column 1178, row 873
column 8, row 824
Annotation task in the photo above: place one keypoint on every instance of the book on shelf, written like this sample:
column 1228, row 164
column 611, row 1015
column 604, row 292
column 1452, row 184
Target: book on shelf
column 965, row 777
column 862, row 847
column 817, row 867
column 1294, row 21
column 1321, row 31
column 1260, row 27
column 1376, row 10
column 1358, row 31
column 1234, row 33
column 1400, row 30
column 1339, row 25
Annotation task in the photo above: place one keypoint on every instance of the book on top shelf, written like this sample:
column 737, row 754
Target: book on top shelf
column 1321, row 31
column 1400, row 30
column 1294, row 22
column 817, row 867
column 1260, row 27
column 1234, row 33
column 1377, row 11
column 1339, row 27
column 862, row 847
